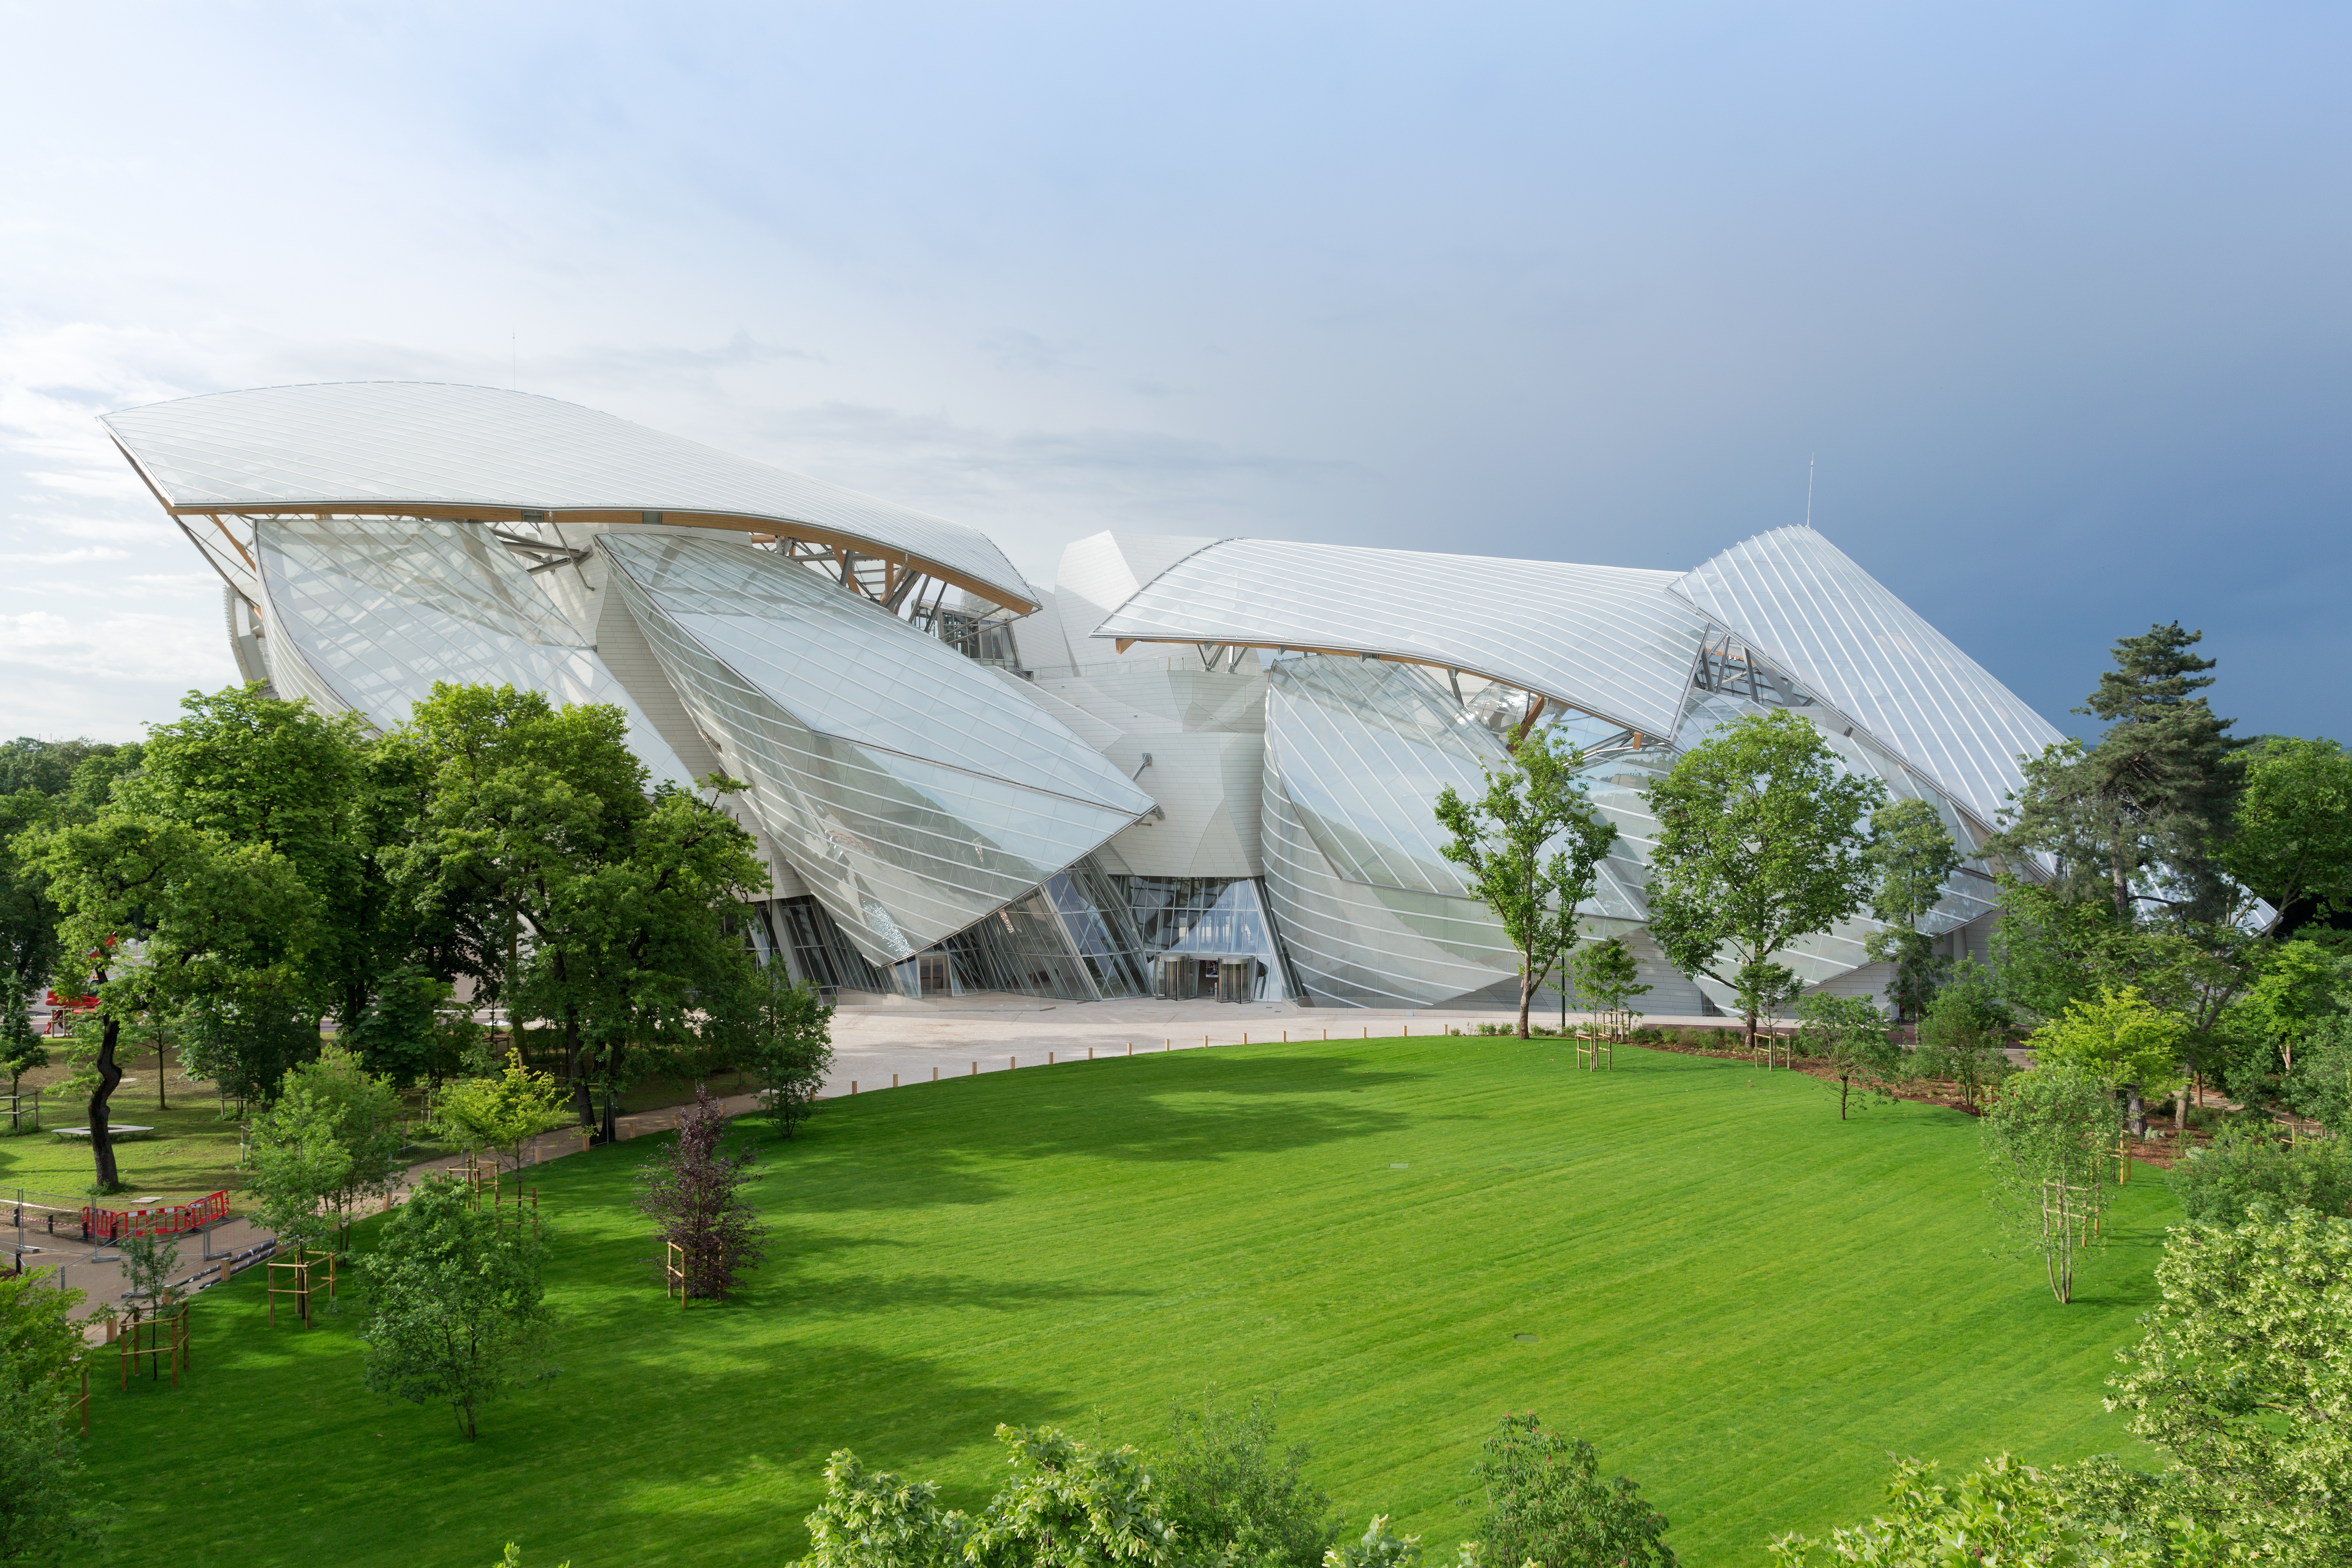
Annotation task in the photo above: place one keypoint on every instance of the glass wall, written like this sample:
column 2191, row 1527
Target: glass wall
column 1209, row 936
column 914, row 791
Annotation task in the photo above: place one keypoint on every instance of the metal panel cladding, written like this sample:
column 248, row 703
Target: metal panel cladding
column 378, row 443
column 1609, row 640
column 1803, row 602
column 367, row 614
column 914, row 791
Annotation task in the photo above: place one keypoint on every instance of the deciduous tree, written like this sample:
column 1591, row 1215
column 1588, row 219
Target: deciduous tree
column 786, row 1031
column 2120, row 1039
column 456, row 1303
column 2049, row 1141
column 1851, row 1034
column 501, row 1114
column 1547, row 1504
column 1530, row 848
column 1913, row 854
column 2242, row 1377
column 693, row 1191
column 1760, row 845
column 2290, row 838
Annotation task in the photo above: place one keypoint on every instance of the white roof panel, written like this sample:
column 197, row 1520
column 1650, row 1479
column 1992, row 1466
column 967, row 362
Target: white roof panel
column 1609, row 640
column 1807, row 606
column 373, row 443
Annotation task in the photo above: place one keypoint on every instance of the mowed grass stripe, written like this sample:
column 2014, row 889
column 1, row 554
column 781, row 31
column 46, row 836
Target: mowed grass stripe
column 1743, row 1302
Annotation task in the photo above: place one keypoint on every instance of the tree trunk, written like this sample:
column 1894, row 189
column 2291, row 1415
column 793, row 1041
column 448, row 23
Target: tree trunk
column 1845, row 1086
column 101, row 1142
column 2135, row 1111
column 1526, row 991
column 581, row 1100
column 1751, row 1036
column 162, row 1072
column 2180, row 1113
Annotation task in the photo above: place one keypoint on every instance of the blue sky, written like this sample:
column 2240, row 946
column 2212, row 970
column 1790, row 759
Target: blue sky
column 2055, row 296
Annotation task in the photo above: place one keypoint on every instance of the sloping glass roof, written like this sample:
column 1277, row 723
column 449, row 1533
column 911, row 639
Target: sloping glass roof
column 1809, row 608
column 914, row 791
column 379, row 443
column 1609, row 640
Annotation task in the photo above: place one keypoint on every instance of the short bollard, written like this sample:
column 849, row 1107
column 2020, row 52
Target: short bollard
column 894, row 1080
column 975, row 1070
column 1049, row 1059
column 1130, row 1048
column 853, row 1086
column 1090, row 1053
column 935, row 1075
column 1017, row 1064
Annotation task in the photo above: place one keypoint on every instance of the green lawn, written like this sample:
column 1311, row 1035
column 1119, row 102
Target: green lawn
column 1744, row 1304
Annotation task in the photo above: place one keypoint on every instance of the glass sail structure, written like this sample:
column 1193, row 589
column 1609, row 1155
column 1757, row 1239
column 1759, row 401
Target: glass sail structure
column 913, row 792
column 1188, row 769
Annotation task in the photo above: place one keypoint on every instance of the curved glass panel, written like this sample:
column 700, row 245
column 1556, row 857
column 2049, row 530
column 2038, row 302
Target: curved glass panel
column 914, row 791
column 366, row 613
column 1607, row 639
column 1873, row 657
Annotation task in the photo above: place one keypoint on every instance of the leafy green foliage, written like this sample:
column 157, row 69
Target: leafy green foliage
column 2120, row 1039
column 1963, row 1035
column 1380, row 1547
column 21, row 1051
column 39, row 1341
column 2321, row 1085
column 2292, row 842
column 2049, row 1140
column 1760, row 843
column 411, row 1031
column 539, row 863
column 363, row 1113
column 299, row 1165
column 1068, row 1503
column 1534, row 803
column 49, row 1511
column 1547, row 1504
column 790, row 1043
column 1850, row 1034
column 2243, row 1378
column 457, row 1308
column 1914, row 855
column 1234, row 1499
column 2002, row 1512
column 2244, row 1166
column 501, row 1114
column 148, row 1264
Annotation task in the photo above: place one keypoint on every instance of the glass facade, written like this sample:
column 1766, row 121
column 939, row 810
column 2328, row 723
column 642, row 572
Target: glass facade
column 913, row 791
column 1210, row 936
column 366, row 613
column 960, row 800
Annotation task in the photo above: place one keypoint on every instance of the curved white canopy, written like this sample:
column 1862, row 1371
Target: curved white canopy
column 1809, row 608
column 429, row 449
column 1609, row 641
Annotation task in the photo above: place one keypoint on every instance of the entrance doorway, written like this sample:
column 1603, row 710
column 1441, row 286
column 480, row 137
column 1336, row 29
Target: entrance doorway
column 931, row 973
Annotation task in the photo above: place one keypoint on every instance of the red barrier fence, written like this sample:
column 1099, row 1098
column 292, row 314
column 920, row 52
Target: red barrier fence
column 113, row 1224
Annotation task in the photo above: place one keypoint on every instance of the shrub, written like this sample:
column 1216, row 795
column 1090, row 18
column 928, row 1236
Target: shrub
column 2250, row 1164
column 1547, row 1505
column 1234, row 1498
